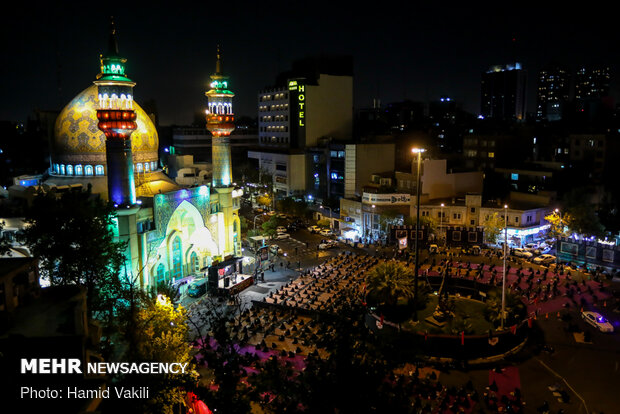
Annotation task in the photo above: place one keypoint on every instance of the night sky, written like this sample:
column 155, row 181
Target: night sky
column 401, row 50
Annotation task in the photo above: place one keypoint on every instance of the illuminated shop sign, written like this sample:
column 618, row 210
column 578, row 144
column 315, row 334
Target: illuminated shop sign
column 386, row 198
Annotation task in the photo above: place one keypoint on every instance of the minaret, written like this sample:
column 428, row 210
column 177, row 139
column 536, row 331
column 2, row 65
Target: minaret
column 220, row 122
column 117, row 120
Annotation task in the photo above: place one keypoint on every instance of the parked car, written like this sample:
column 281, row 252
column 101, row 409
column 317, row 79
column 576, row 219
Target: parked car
column 197, row 288
column 544, row 259
column 281, row 229
column 275, row 249
column 326, row 232
column 519, row 252
column 281, row 236
column 314, row 229
column 598, row 321
column 328, row 244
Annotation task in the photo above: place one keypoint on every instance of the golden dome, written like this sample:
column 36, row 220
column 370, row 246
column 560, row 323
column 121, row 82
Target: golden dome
column 78, row 140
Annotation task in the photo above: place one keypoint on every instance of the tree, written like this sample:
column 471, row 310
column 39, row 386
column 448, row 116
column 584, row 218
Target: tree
column 493, row 226
column 579, row 214
column 390, row 281
column 264, row 200
column 514, row 307
column 557, row 224
column 72, row 237
column 324, row 222
column 160, row 335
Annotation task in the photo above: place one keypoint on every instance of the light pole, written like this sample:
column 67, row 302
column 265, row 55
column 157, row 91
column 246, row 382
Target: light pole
column 330, row 215
column 418, row 151
column 441, row 224
column 557, row 236
column 504, row 272
column 255, row 217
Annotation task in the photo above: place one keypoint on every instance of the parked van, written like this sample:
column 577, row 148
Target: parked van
column 197, row 288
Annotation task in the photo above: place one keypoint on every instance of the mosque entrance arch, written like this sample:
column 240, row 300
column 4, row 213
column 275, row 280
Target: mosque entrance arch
column 188, row 242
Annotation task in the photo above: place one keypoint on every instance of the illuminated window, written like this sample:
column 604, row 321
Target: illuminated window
column 88, row 170
column 139, row 167
column 491, row 155
column 62, row 169
column 78, row 170
column 146, row 167
column 98, row 169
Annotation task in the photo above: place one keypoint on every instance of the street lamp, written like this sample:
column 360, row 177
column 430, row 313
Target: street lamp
column 557, row 236
column 441, row 224
column 330, row 215
column 418, row 151
column 255, row 217
column 504, row 272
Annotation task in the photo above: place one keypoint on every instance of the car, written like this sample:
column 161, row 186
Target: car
column 519, row 252
column 281, row 236
column 281, row 229
column 275, row 249
column 314, row 229
column 271, row 213
column 197, row 288
column 328, row 244
column 433, row 248
column 544, row 259
column 598, row 321
column 326, row 232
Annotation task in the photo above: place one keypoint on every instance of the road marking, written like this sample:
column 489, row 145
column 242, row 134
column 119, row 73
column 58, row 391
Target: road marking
column 565, row 382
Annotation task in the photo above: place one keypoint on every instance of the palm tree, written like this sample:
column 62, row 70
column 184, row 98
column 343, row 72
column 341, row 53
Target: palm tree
column 390, row 281
column 515, row 309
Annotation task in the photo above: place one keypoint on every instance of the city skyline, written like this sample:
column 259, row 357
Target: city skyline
column 400, row 51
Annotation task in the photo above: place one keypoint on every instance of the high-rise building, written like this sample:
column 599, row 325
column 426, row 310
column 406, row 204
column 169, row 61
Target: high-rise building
column 553, row 93
column 310, row 107
column 592, row 83
column 504, row 93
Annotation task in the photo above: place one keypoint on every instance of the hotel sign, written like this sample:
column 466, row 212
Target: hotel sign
column 297, row 100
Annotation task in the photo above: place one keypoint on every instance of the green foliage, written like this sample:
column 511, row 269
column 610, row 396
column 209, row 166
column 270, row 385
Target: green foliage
column 72, row 238
column 580, row 215
column 160, row 334
column 493, row 226
column 269, row 227
column 514, row 307
column 323, row 223
column 460, row 324
column 389, row 281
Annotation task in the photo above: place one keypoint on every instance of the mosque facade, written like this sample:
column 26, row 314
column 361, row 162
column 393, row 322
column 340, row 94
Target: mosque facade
column 171, row 231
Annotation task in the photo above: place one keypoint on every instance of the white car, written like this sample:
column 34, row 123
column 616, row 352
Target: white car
column 281, row 236
column 326, row 232
column 275, row 249
column 281, row 229
column 328, row 245
column 544, row 259
column 598, row 321
column 314, row 229
column 519, row 252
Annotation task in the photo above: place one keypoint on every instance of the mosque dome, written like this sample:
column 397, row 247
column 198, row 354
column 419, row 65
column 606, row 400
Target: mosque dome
column 78, row 148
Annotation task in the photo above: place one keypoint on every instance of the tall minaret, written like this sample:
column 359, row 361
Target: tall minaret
column 220, row 122
column 117, row 120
